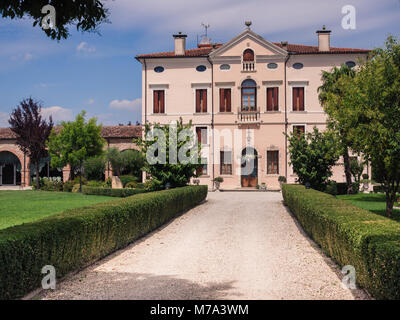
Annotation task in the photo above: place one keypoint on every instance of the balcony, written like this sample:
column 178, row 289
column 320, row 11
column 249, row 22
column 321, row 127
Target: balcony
column 248, row 116
column 248, row 66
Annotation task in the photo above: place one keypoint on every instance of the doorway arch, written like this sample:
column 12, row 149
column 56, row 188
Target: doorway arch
column 10, row 169
column 249, row 167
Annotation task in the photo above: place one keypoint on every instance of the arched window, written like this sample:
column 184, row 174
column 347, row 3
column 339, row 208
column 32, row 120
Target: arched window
column 249, row 96
column 248, row 55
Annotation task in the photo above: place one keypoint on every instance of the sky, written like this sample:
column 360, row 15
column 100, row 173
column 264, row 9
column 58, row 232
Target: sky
column 98, row 73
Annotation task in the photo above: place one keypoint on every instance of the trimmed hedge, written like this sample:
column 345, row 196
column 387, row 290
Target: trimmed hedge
column 78, row 237
column 351, row 236
column 121, row 193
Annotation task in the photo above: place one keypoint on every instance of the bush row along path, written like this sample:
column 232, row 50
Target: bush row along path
column 234, row 246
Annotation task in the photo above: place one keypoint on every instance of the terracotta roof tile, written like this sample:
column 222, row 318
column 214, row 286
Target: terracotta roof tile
column 205, row 50
column 124, row 132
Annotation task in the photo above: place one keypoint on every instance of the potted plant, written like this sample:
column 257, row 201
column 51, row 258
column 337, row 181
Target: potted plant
column 282, row 180
column 218, row 181
column 263, row 186
column 365, row 181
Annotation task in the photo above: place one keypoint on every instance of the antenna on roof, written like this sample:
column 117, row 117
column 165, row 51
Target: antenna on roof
column 204, row 38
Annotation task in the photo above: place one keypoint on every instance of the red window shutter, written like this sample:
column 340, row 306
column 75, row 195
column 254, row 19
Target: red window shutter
column 198, row 98
column 276, row 100
column 204, row 106
column 248, row 55
column 222, row 100
column 198, row 132
column 301, row 99
column 155, row 102
column 295, row 99
column 269, row 99
column 228, row 100
column 162, row 101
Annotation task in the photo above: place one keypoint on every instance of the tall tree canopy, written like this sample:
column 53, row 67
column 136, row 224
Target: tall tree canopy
column 331, row 98
column 373, row 102
column 32, row 131
column 77, row 141
column 86, row 15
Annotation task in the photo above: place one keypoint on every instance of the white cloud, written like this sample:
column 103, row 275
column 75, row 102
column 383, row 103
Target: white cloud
column 84, row 47
column 90, row 101
column 4, row 116
column 133, row 105
column 28, row 56
column 58, row 113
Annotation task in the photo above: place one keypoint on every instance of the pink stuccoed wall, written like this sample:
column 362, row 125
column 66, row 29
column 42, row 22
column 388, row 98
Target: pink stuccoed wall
column 180, row 79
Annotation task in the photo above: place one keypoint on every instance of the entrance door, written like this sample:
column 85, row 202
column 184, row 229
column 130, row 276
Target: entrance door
column 249, row 167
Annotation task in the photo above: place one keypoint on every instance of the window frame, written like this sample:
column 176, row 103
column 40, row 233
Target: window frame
column 304, row 97
column 277, row 163
column 223, row 166
column 195, row 100
column 154, row 101
column 266, row 98
column 225, row 102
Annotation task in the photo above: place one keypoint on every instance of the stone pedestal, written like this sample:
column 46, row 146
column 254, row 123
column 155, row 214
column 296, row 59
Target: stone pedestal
column 116, row 183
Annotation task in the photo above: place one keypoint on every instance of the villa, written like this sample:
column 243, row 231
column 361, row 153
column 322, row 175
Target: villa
column 242, row 97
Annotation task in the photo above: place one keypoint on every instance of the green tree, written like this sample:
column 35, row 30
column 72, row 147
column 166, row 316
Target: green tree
column 312, row 156
column 85, row 15
column 77, row 141
column 94, row 168
column 165, row 167
column 331, row 98
column 127, row 162
column 373, row 101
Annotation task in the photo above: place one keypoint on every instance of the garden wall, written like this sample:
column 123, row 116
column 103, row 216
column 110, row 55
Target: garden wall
column 78, row 237
column 351, row 236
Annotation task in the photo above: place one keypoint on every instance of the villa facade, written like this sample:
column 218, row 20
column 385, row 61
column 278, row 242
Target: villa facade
column 242, row 97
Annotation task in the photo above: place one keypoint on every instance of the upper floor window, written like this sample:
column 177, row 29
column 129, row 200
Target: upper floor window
column 225, row 67
column 351, row 64
column 298, row 99
column 201, row 133
column 272, row 65
column 159, row 69
column 248, row 55
column 201, row 68
column 299, row 129
column 201, row 100
column 272, row 99
column 158, row 101
column 298, row 65
column 225, row 100
column 249, row 99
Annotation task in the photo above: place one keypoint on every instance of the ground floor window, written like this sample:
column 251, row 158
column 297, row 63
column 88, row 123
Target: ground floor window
column 272, row 162
column 10, row 169
column 203, row 171
column 226, row 162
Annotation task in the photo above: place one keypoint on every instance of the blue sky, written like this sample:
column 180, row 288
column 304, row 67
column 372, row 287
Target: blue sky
column 98, row 73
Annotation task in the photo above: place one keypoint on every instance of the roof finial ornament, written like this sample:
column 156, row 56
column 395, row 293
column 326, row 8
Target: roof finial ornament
column 324, row 27
column 248, row 24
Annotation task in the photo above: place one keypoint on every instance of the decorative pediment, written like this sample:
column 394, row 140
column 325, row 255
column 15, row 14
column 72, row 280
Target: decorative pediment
column 264, row 49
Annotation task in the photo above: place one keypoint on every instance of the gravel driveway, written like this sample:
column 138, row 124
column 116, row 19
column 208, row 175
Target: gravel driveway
column 237, row 245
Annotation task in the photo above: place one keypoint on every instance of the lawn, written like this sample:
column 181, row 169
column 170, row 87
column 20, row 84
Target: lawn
column 18, row 207
column 374, row 202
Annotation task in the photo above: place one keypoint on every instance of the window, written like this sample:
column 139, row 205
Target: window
column 226, row 162
column 159, row 69
column 351, row 64
column 225, row 67
column 299, row 130
column 272, row 65
column 201, row 100
column 248, row 55
column 298, row 66
column 249, row 100
column 201, row 68
column 158, row 101
column 203, row 171
column 298, row 99
column 272, row 99
column 201, row 133
column 272, row 162
column 225, row 100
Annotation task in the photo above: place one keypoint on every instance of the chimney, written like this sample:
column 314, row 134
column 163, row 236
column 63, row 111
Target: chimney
column 324, row 39
column 180, row 44
column 284, row 45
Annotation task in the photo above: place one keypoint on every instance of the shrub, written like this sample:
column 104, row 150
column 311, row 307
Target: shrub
column 95, row 183
column 351, row 236
column 378, row 189
column 128, row 178
column 95, row 168
column 76, row 187
column 121, row 193
column 131, row 185
column 282, row 179
column 331, row 188
column 68, row 185
column 78, row 237
column 341, row 188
